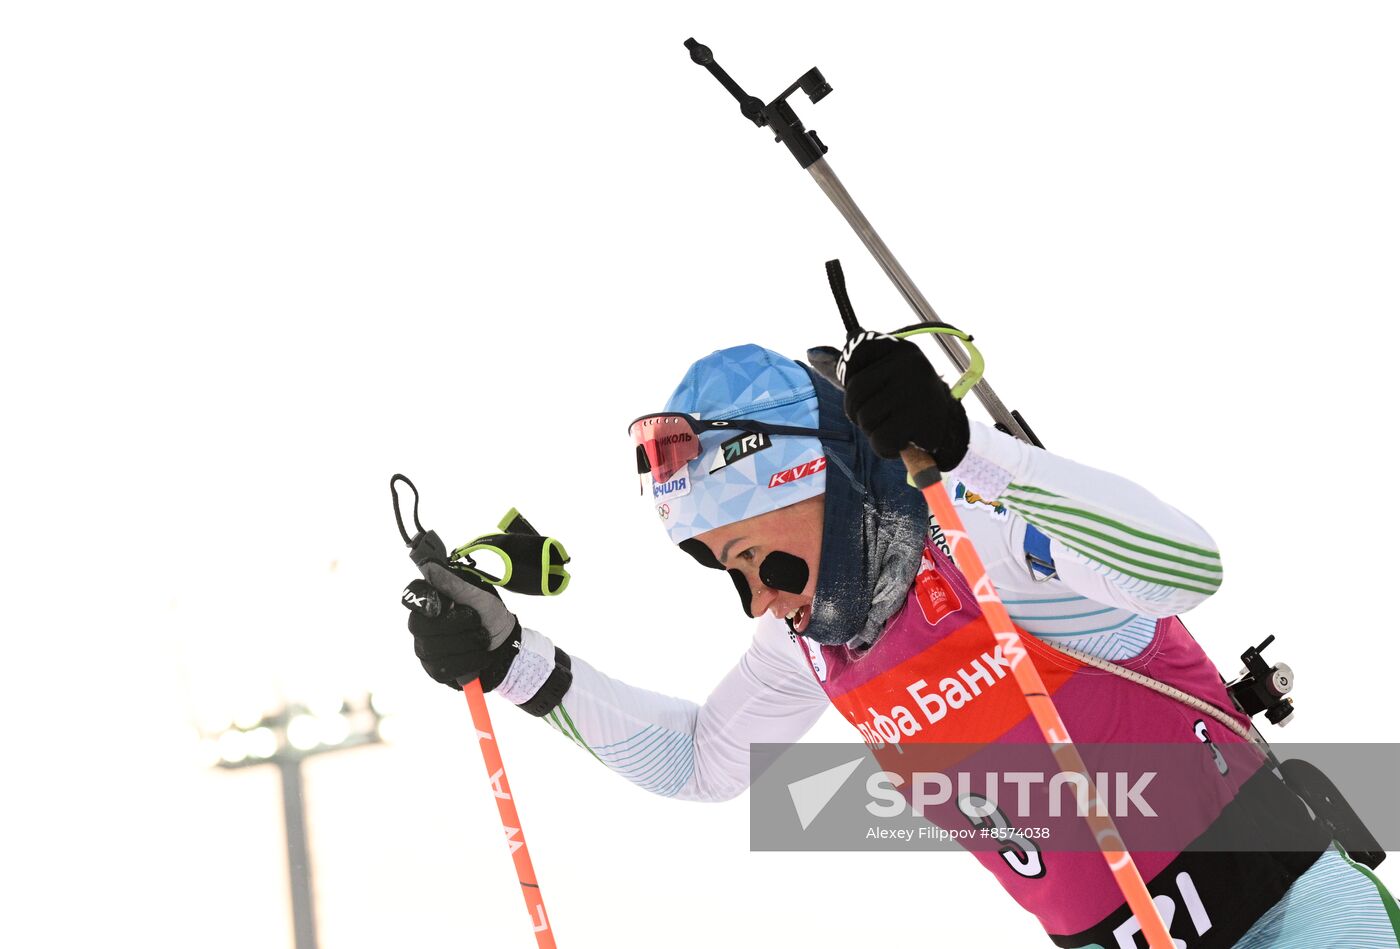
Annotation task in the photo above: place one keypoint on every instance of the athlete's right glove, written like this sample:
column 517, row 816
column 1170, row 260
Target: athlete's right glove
column 456, row 645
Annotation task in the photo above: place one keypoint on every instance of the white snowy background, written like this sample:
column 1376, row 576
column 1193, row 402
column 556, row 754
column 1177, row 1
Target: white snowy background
column 256, row 257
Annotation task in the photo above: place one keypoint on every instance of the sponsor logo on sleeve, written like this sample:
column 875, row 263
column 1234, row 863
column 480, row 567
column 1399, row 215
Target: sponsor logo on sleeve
column 798, row 472
column 971, row 499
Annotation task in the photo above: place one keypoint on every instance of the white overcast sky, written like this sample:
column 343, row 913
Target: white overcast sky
column 256, row 257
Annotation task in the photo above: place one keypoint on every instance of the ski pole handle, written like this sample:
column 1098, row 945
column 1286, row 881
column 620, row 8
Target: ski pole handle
column 921, row 467
column 510, row 820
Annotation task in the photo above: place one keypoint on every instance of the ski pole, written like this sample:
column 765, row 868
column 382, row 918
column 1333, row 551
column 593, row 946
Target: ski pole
column 924, row 475
column 510, row 820
column 430, row 555
column 804, row 145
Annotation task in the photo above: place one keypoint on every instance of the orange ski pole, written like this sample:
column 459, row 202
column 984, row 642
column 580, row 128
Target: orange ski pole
column 510, row 821
column 924, row 473
column 431, row 556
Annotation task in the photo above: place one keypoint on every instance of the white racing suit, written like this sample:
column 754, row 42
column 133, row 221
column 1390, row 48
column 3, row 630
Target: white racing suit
column 1107, row 559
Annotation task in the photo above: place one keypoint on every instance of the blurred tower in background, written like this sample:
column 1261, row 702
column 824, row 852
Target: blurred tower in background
column 286, row 738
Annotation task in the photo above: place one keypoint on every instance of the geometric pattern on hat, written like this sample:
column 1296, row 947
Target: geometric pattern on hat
column 753, row 383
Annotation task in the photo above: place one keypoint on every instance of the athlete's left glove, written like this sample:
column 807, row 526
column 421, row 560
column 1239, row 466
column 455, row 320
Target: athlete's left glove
column 894, row 395
column 458, row 643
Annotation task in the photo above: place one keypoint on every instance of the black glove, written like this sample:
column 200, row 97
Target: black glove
column 896, row 398
column 452, row 642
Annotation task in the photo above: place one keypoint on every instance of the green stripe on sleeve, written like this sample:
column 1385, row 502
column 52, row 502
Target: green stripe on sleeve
column 1098, row 558
column 1039, row 520
column 1034, row 490
column 1109, row 522
column 574, row 728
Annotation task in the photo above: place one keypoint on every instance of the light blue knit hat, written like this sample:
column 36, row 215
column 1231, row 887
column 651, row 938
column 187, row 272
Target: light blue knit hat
column 742, row 382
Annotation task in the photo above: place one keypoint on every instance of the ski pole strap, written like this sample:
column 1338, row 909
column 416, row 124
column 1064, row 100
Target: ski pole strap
column 398, row 516
column 976, row 365
column 514, row 523
column 531, row 563
column 836, row 279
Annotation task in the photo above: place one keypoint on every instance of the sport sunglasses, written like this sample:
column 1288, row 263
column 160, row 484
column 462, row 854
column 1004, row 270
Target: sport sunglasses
column 667, row 442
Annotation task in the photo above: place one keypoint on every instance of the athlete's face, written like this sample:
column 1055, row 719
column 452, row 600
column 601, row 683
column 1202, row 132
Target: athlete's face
column 742, row 546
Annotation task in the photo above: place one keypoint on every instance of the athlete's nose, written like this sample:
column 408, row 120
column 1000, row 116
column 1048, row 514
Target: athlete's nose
column 763, row 597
